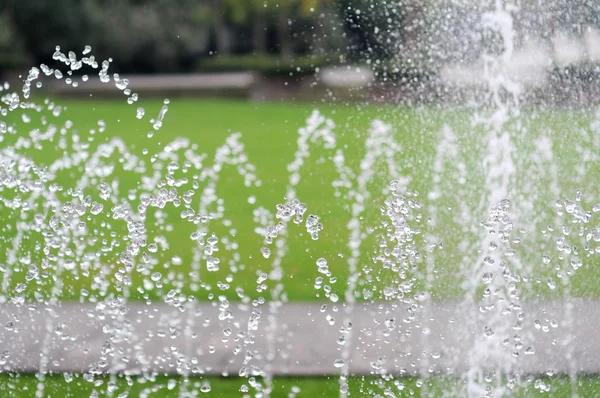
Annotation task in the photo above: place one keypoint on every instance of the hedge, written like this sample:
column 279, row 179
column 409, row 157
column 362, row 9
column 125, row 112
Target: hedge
column 267, row 65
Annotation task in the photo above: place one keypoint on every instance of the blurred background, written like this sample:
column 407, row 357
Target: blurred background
column 150, row 36
column 398, row 50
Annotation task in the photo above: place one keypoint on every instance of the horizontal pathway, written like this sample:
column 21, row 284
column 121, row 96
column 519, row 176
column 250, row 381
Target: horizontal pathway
column 240, row 82
column 299, row 339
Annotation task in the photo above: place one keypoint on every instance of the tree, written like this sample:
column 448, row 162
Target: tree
column 219, row 27
column 259, row 26
column 262, row 14
column 43, row 24
column 140, row 35
column 285, row 8
column 12, row 54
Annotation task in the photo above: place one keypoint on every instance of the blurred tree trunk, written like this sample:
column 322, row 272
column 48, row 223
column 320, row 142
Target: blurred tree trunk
column 411, row 27
column 327, row 37
column 259, row 35
column 283, row 32
column 220, row 28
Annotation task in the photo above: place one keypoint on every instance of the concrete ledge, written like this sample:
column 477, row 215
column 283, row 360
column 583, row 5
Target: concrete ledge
column 441, row 339
column 232, row 84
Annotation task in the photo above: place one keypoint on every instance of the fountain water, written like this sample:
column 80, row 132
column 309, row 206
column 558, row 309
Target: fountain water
column 78, row 229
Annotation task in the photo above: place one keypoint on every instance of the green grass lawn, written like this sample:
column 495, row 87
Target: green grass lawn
column 71, row 386
column 269, row 134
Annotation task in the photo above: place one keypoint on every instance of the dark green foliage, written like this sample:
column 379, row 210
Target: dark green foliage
column 141, row 36
column 266, row 65
column 149, row 36
column 579, row 73
column 404, row 70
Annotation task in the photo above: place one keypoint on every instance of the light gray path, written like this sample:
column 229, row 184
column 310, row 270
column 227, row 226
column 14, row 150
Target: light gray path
column 172, row 83
column 74, row 338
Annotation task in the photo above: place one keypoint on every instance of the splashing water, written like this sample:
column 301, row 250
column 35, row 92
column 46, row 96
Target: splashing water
column 107, row 242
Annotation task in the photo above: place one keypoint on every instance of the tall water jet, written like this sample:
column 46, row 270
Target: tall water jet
column 380, row 147
column 490, row 360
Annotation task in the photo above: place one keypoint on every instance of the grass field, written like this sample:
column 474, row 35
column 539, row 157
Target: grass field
column 269, row 134
column 159, row 386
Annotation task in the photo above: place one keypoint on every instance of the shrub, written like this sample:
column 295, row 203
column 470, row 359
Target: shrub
column 585, row 72
column 13, row 60
column 266, row 65
column 403, row 70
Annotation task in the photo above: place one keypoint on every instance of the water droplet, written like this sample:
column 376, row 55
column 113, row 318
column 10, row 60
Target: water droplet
column 487, row 278
column 156, row 276
column 266, row 252
column 159, row 120
column 171, row 384
column 205, row 388
column 212, row 264
column 96, row 208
